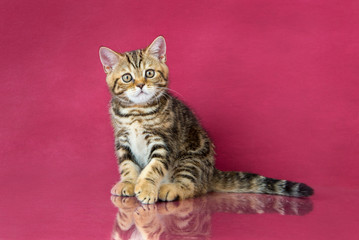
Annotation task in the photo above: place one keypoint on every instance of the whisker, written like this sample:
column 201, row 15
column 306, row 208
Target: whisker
column 166, row 88
column 175, row 92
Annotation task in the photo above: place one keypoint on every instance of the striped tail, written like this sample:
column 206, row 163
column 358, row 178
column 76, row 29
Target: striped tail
column 242, row 182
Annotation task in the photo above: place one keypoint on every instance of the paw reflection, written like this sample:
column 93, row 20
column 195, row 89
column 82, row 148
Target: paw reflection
column 191, row 218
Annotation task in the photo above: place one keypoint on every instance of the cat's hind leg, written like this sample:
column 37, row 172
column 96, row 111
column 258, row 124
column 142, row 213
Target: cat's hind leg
column 190, row 179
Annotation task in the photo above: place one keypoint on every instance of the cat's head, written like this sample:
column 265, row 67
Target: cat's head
column 137, row 77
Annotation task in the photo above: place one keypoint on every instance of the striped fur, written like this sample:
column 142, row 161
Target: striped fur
column 162, row 150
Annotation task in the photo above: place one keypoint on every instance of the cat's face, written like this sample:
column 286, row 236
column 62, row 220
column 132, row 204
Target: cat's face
column 138, row 77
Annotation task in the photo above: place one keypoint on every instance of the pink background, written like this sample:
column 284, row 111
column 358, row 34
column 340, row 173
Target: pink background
column 275, row 83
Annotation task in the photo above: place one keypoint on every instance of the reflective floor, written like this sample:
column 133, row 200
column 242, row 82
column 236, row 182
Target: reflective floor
column 46, row 210
column 192, row 218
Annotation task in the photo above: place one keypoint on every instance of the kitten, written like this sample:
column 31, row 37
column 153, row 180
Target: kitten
column 162, row 150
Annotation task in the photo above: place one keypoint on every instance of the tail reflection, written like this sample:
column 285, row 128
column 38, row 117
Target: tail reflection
column 191, row 218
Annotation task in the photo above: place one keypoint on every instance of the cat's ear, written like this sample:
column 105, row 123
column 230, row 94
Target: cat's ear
column 158, row 49
column 109, row 59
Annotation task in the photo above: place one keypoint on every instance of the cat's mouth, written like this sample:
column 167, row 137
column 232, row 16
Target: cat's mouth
column 141, row 93
column 141, row 97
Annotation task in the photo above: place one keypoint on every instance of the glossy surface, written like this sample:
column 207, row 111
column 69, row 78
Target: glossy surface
column 85, row 210
column 275, row 83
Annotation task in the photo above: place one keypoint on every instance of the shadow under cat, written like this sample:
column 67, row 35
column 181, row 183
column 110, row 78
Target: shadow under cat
column 191, row 218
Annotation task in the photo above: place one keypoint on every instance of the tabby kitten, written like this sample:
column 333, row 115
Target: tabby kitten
column 162, row 150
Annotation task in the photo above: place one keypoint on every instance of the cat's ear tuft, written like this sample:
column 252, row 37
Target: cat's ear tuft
column 158, row 48
column 109, row 59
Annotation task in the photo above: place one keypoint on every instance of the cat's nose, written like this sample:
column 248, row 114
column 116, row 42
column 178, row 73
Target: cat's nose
column 140, row 85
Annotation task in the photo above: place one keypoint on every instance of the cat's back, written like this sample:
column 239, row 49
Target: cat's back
column 183, row 113
column 190, row 135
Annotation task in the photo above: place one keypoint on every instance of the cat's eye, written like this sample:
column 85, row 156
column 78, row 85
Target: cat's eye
column 126, row 77
column 150, row 73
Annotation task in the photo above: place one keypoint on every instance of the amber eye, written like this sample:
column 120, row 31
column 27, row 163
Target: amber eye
column 150, row 73
column 126, row 77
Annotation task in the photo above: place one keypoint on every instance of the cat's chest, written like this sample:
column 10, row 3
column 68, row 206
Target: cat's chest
column 138, row 144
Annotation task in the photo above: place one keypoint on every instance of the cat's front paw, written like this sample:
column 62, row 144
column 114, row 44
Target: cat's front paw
column 146, row 192
column 123, row 189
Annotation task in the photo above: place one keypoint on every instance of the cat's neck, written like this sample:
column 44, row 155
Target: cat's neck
column 126, row 107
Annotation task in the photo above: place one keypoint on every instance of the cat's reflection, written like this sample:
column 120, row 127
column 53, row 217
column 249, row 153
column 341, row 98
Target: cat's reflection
column 191, row 218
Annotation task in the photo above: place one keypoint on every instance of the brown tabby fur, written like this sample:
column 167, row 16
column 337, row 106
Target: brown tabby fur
column 162, row 150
